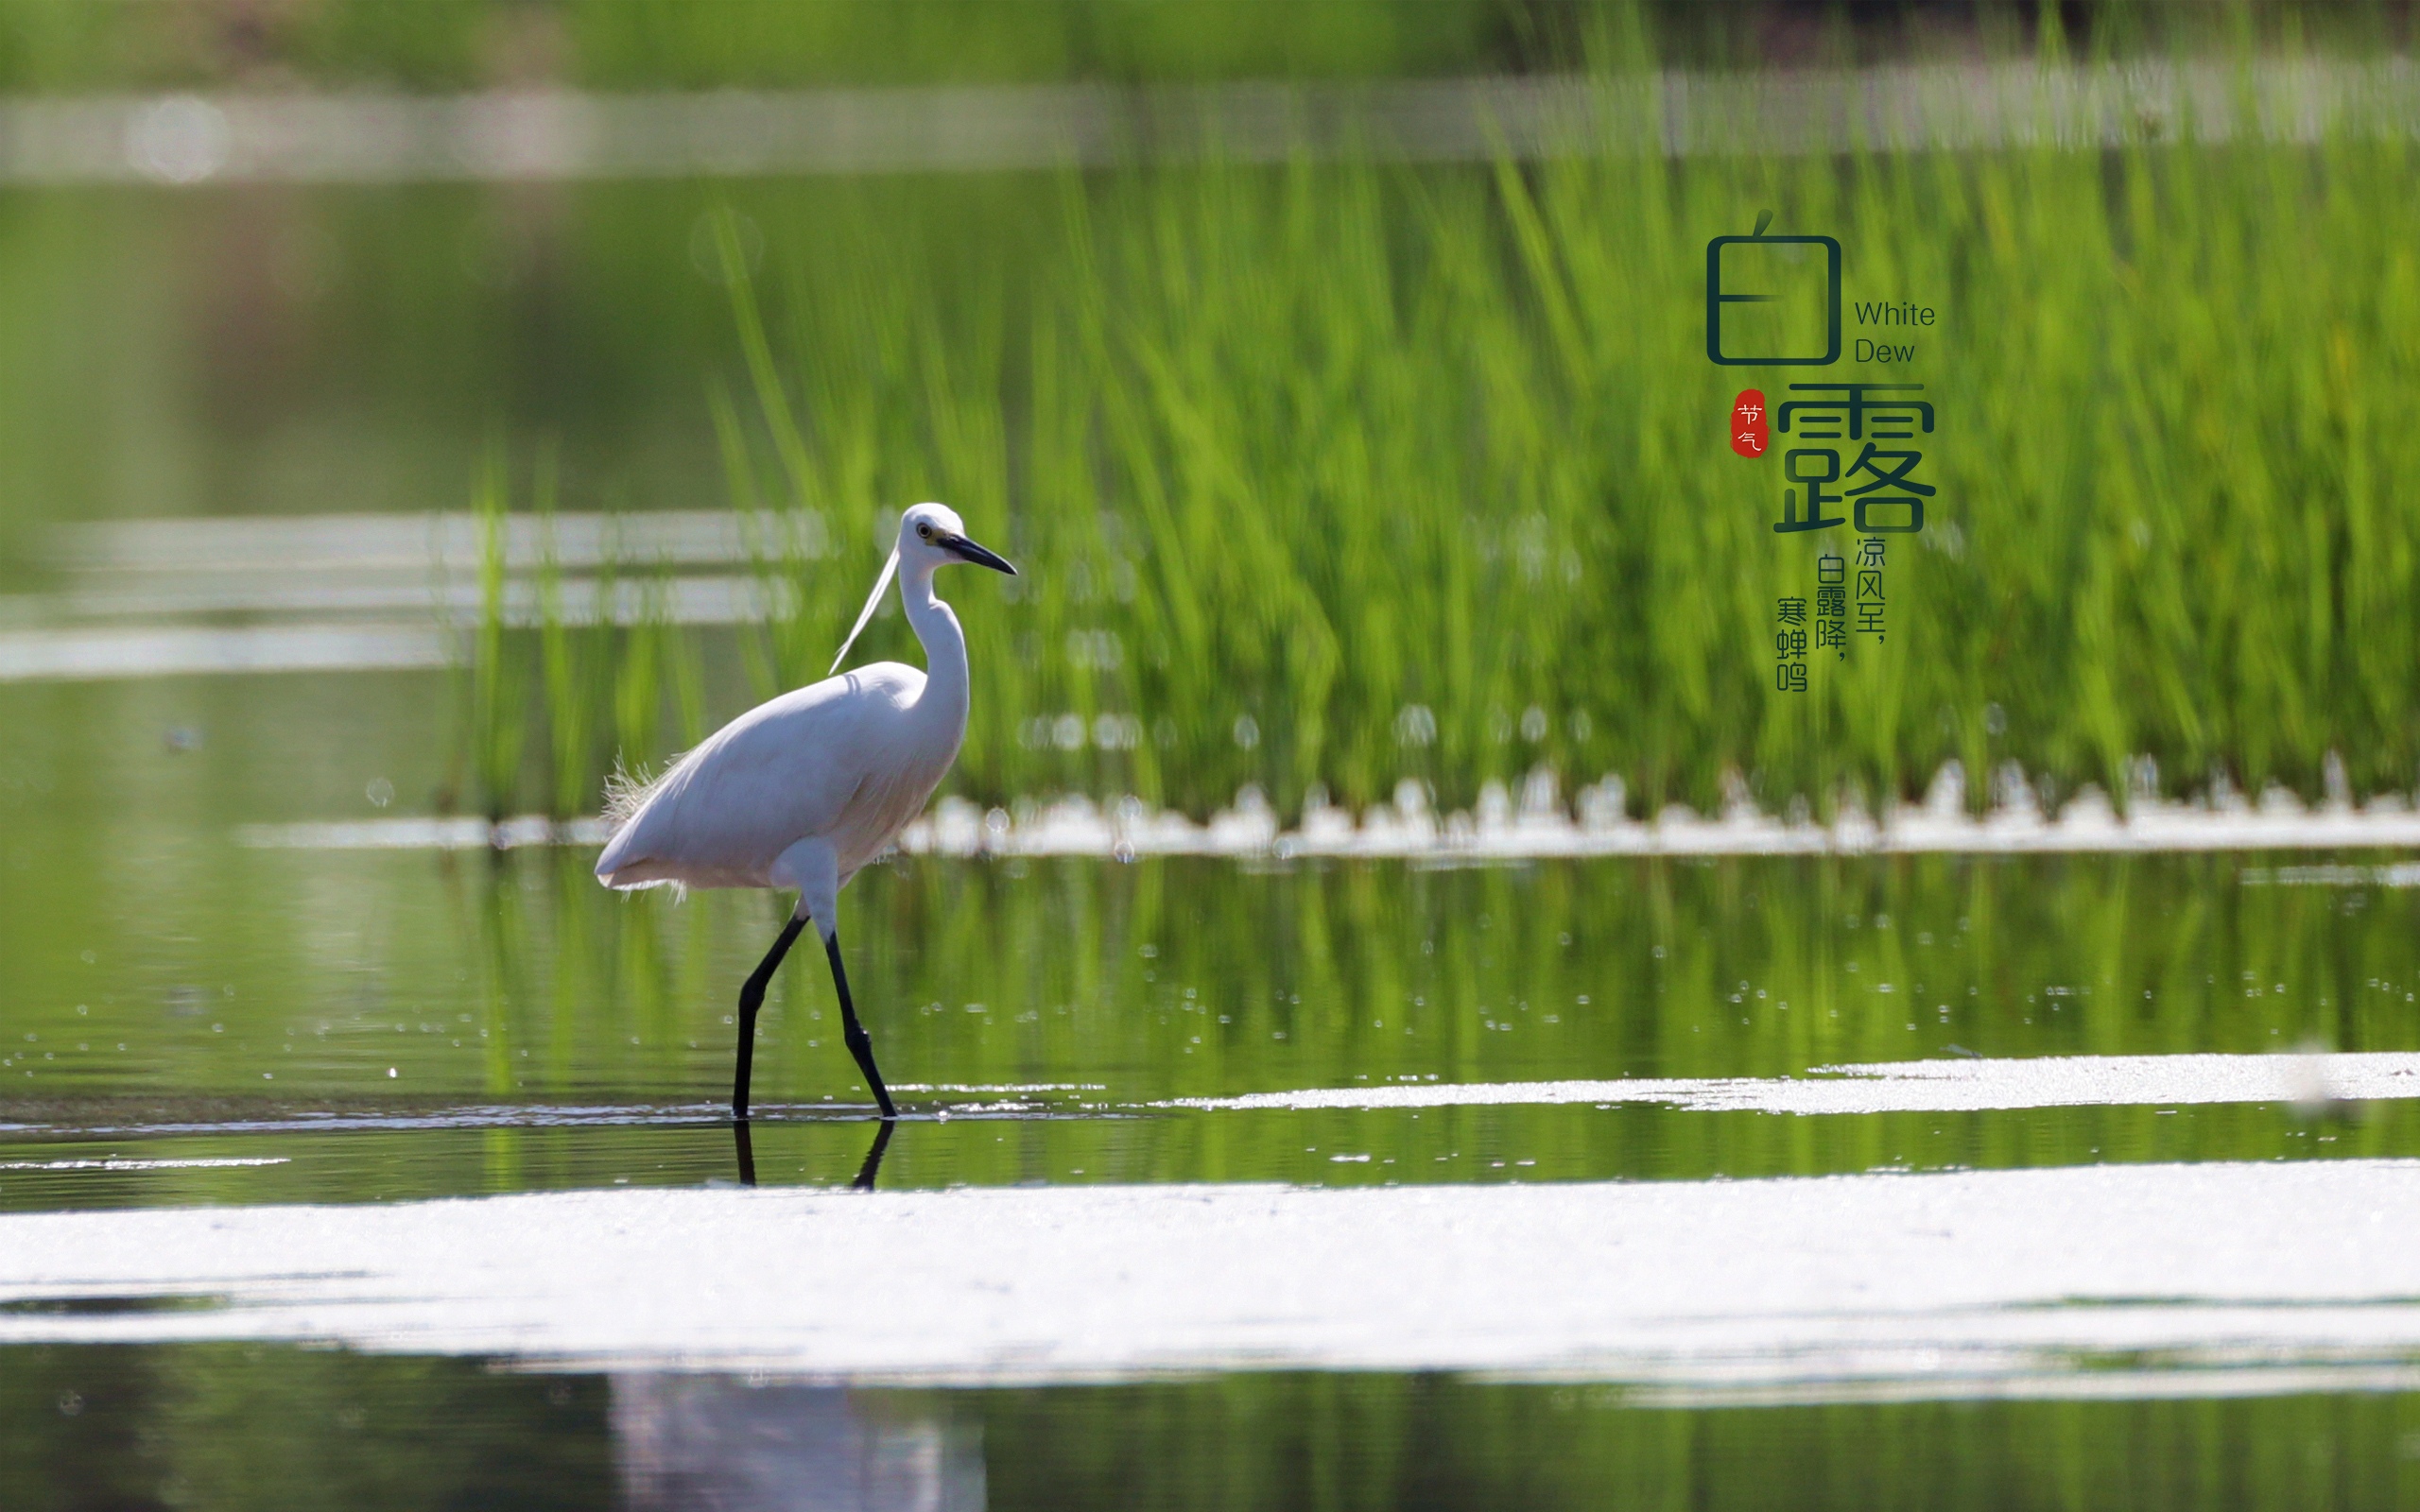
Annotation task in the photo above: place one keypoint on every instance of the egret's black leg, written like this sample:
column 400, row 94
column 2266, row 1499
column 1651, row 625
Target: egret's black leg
column 752, row 996
column 873, row 1157
column 746, row 1152
column 860, row 1043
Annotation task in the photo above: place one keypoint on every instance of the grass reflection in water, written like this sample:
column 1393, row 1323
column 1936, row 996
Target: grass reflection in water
column 542, row 1033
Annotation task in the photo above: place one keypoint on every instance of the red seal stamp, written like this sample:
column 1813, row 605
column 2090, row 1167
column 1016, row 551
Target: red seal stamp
column 1748, row 428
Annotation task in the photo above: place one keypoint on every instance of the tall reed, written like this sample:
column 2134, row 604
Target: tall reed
column 1324, row 476
column 498, row 718
column 590, row 663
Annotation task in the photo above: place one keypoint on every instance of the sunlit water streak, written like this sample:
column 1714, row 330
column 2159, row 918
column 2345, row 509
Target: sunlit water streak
column 2311, row 1081
column 1125, row 829
column 95, row 653
column 531, row 1116
column 562, row 134
column 1943, row 1284
column 123, row 1163
column 139, row 598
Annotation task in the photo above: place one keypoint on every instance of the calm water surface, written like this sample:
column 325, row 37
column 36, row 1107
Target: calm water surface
column 186, row 1020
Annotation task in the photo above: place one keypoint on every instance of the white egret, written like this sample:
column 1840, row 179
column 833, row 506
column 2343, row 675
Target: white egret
column 802, row 791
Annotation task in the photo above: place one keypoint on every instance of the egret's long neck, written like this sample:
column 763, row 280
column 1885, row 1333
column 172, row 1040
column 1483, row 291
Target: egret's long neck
column 945, row 687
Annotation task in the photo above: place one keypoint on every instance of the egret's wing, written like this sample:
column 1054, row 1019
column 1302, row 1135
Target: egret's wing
column 889, row 568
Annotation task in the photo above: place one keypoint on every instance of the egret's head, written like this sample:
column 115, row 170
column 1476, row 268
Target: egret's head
column 931, row 535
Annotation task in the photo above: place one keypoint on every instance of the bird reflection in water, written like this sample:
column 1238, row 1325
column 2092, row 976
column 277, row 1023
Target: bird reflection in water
column 873, row 1156
column 754, row 1443
column 745, row 1149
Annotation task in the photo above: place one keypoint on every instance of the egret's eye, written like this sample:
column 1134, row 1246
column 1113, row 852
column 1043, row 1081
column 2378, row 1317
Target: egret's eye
column 926, row 531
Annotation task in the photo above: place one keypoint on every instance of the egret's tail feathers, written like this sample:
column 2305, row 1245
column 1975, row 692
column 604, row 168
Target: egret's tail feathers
column 680, row 889
column 627, row 792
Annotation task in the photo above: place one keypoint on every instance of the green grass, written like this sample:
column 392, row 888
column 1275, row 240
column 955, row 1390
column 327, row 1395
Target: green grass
column 1290, row 455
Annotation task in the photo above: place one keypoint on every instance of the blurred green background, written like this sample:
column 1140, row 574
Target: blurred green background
column 452, row 45
column 1325, row 474
column 615, row 44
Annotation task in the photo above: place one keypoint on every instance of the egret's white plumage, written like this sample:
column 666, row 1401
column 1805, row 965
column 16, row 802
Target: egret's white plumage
column 803, row 791
column 849, row 761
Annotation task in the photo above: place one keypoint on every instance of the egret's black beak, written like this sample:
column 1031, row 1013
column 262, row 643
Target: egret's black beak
column 966, row 550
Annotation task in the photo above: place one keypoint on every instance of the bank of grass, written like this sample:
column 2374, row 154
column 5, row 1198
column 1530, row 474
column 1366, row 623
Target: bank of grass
column 1327, row 476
